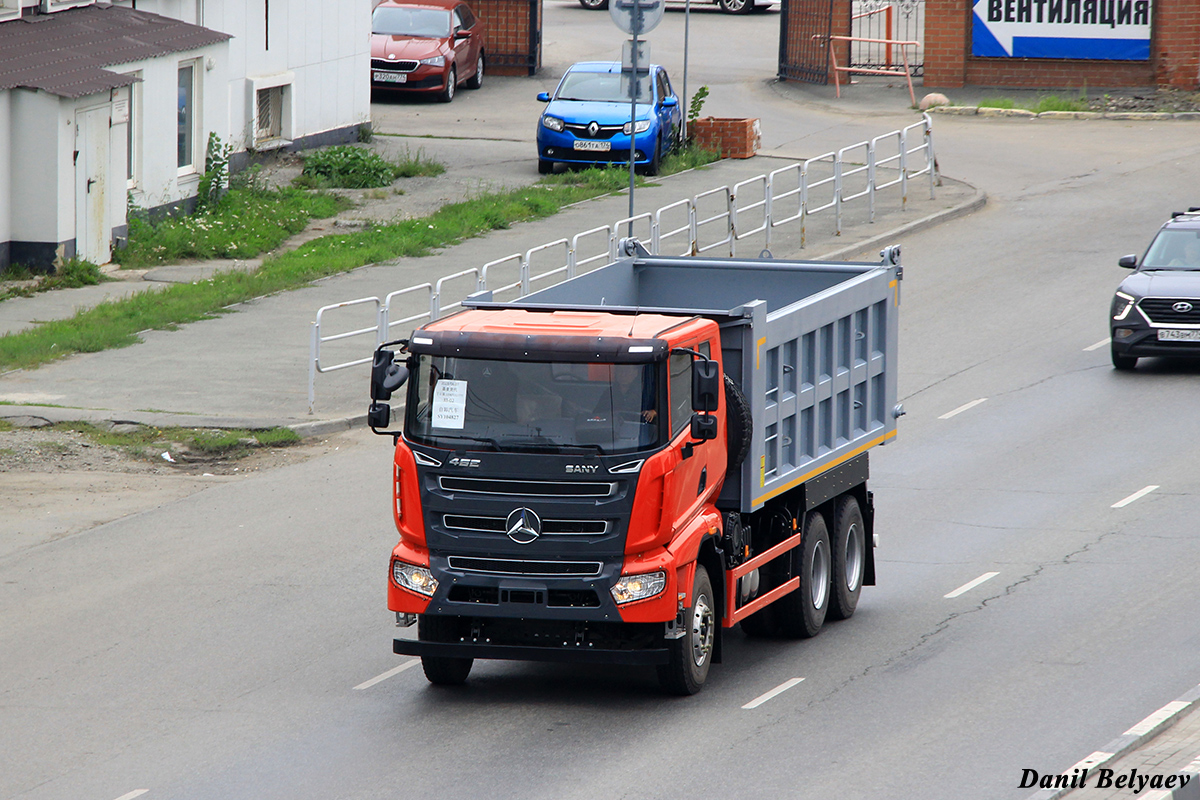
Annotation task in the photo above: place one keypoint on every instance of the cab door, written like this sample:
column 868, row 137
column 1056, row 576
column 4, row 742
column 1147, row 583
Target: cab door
column 693, row 477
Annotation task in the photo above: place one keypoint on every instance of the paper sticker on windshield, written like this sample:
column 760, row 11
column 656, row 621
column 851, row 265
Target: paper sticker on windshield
column 449, row 404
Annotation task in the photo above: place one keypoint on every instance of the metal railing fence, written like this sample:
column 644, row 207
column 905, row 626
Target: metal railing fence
column 715, row 219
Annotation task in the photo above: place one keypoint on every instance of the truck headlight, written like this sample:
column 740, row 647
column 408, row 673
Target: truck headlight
column 553, row 123
column 414, row 578
column 638, row 587
column 434, row 61
column 1121, row 305
column 641, row 127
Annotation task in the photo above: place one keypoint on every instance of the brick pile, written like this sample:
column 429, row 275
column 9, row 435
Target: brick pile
column 731, row 137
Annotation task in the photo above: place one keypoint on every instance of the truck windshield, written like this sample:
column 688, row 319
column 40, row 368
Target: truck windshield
column 534, row 406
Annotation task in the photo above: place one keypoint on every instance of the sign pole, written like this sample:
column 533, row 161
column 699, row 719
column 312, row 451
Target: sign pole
column 633, row 93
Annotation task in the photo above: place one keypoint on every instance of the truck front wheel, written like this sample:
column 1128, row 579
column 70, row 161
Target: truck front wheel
column 691, row 654
column 802, row 613
column 442, row 671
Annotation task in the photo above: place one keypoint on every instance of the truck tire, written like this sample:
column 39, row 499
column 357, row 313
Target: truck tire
column 442, row 671
column 802, row 613
column 691, row 654
column 738, row 425
column 849, row 558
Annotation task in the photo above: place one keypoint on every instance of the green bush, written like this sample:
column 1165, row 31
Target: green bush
column 346, row 167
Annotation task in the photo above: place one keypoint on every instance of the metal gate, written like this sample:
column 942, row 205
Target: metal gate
column 902, row 20
column 804, row 31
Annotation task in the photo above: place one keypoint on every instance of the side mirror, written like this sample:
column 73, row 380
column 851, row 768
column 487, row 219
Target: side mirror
column 704, row 427
column 544, row 97
column 706, row 386
column 379, row 415
column 1128, row 262
column 459, row 35
column 386, row 375
column 670, row 102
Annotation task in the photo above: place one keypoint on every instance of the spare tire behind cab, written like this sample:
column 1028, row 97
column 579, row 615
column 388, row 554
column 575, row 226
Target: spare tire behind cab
column 738, row 425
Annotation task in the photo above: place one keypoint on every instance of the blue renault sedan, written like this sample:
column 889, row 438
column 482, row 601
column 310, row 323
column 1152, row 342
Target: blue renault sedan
column 587, row 119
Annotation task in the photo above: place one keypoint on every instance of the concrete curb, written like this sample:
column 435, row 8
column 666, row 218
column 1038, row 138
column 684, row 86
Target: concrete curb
column 990, row 112
column 1134, row 738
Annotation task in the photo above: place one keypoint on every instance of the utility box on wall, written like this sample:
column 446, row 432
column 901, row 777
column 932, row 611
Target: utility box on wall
column 1062, row 43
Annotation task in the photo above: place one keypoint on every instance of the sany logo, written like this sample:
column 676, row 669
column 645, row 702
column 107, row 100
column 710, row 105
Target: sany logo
column 464, row 462
column 582, row 469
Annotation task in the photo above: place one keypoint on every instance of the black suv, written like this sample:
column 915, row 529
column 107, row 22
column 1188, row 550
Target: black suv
column 1156, row 310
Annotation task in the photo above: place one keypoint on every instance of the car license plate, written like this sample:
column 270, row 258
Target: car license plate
column 1165, row 335
column 601, row 146
column 391, row 77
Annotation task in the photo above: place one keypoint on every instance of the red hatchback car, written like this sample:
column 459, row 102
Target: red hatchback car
column 426, row 46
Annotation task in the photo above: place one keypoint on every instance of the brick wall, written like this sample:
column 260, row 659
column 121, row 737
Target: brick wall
column 730, row 136
column 513, row 44
column 1174, row 54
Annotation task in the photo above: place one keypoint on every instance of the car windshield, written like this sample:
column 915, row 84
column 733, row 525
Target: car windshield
column 609, row 87
column 1174, row 249
column 534, row 406
column 427, row 22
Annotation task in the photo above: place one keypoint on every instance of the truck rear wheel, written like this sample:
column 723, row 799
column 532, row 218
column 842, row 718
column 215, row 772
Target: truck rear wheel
column 691, row 654
column 802, row 613
column 439, row 670
column 849, row 558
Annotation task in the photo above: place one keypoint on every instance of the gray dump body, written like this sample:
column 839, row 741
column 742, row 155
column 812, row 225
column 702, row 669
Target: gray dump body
column 812, row 345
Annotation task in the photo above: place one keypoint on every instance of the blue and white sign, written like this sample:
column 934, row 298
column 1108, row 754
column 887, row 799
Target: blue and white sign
column 1109, row 30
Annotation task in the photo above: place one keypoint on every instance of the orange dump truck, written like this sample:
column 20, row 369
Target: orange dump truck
column 618, row 468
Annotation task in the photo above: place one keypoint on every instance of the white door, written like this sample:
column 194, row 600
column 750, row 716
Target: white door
column 93, row 230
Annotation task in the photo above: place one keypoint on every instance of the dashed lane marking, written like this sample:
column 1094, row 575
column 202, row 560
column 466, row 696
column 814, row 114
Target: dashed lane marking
column 1098, row 345
column 388, row 674
column 778, row 690
column 962, row 408
column 1138, row 495
column 133, row 794
column 966, row 587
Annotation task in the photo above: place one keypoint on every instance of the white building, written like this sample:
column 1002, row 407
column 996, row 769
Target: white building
column 106, row 104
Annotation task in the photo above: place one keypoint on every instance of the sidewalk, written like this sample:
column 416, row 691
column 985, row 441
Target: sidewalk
column 250, row 368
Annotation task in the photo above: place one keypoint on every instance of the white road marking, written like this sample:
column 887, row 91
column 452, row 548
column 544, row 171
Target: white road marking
column 388, row 674
column 1138, row 495
column 1098, row 345
column 966, row 587
column 778, row 690
column 1149, row 723
column 1098, row 757
column 133, row 794
column 962, row 408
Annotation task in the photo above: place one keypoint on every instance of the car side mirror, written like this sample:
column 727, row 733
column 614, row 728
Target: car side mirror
column 706, row 386
column 458, row 35
column 670, row 102
column 386, row 375
column 1128, row 262
column 544, row 97
column 379, row 415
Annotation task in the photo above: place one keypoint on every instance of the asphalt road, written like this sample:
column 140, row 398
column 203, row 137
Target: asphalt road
column 228, row 645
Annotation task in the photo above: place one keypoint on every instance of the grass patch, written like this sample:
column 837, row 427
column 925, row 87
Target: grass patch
column 687, row 157
column 1050, row 102
column 242, row 224
column 70, row 275
column 117, row 323
column 347, row 167
column 148, row 442
column 5, row 425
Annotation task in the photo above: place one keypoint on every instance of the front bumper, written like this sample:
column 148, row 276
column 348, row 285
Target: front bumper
column 560, row 146
column 424, row 78
column 1143, row 342
column 566, row 653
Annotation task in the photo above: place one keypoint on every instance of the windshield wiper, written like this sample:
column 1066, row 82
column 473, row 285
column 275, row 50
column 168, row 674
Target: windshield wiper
column 544, row 443
column 481, row 439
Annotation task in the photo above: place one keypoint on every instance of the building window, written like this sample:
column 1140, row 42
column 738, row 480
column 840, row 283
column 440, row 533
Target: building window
column 268, row 122
column 186, row 124
column 133, row 132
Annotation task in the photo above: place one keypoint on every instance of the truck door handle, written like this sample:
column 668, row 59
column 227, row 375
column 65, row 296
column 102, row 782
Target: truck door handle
column 703, row 481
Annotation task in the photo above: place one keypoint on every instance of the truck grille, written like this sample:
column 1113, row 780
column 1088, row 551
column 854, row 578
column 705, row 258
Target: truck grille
column 510, row 566
column 394, row 66
column 1161, row 310
column 516, row 489
column 559, row 527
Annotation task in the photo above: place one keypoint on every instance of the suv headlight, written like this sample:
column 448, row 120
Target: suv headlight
column 553, row 123
column 1121, row 305
column 434, row 61
column 638, row 587
column 641, row 127
column 414, row 578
